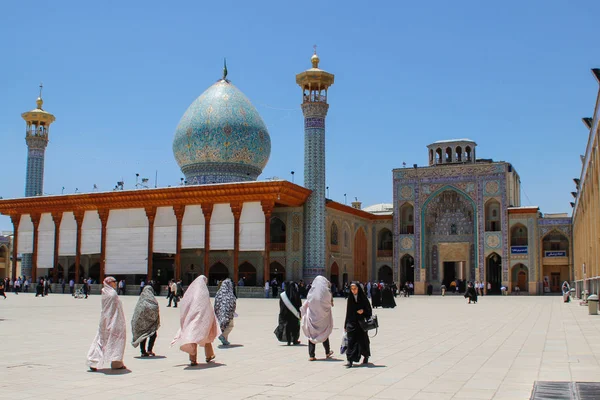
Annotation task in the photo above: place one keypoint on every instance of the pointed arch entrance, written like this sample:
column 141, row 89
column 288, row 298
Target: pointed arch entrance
column 277, row 272
column 407, row 269
column 385, row 275
column 335, row 274
column 360, row 256
column 494, row 273
column 217, row 273
column 247, row 272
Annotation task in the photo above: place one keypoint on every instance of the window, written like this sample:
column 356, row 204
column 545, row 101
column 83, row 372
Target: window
column 492, row 216
column 334, row 234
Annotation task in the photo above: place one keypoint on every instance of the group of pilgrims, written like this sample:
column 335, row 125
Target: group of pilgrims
column 201, row 322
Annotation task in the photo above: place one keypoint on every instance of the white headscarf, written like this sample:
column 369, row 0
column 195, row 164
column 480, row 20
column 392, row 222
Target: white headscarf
column 109, row 343
column 199, row 324
column 317, row 318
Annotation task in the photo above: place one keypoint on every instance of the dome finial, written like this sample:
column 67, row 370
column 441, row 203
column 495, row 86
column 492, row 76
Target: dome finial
column 315, row 58
column 224, row 69
column 39, row 102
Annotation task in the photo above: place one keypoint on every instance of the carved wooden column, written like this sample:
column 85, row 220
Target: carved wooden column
column 179, row 212
column 236, row 209
column 35, row 218
column 104, row 221
column 16, row 220
column 267, row 206
column 207, row 210
column 57, row 218
column 79, row 214
column 151, row 214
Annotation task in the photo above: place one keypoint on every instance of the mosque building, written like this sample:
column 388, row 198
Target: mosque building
column 459, row 218
column 221, row 223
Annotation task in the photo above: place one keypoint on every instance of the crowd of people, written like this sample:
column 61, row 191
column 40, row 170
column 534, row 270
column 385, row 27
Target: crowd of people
column 201, row 322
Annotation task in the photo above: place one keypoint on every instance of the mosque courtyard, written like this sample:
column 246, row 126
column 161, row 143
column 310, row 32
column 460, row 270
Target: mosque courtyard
column 427, row 348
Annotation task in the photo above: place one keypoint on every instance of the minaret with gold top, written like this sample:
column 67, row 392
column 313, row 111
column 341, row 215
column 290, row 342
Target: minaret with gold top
column 36, row 136
column 314, row 83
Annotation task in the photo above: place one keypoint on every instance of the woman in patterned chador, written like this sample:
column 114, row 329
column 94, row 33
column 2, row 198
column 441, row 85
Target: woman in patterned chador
column 145, row 321
column 199, row 326
column 109, row 343
column 225, row 303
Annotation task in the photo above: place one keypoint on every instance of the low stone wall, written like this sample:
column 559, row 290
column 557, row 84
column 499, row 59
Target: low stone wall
column 130, row 290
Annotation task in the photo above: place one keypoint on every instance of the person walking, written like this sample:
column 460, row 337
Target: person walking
column 142, row 284
column 2, row 286
column 63, row 284
column 109, row 343
column 358, row 311
column 145, row 322
column 288, row 329
column 86, row 288
column 225, row 304
column 198, row 322
column 317, row 318
column 17, row 285
column 72, row 287
column 174, row 297
column 266, row 289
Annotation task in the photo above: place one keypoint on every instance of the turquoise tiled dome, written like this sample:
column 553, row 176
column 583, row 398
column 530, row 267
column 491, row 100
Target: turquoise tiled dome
column 221, row 138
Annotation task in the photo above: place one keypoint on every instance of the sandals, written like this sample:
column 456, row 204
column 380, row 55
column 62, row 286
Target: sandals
column 328, row 355
column 145, row 355
column 209, row 359
column 193, row 364
column 92, row 369
column 312, row 359
column 151, row 354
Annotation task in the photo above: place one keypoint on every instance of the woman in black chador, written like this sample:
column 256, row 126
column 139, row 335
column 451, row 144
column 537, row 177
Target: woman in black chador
column 288, row 329
column 471, row 294
column 358, row 308
column 387, row 297
column 376, row 295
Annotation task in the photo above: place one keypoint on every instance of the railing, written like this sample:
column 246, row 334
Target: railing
column 277, row 247
column 407, row 230
column 384, row 253
column 516, row 241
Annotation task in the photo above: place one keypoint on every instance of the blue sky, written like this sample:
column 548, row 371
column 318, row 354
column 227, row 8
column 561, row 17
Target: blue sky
column 514, row 76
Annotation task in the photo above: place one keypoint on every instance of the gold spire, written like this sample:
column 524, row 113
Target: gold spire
column 39, row 102
column 315, row 58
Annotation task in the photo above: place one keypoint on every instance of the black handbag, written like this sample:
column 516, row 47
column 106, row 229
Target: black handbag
column 369, row 324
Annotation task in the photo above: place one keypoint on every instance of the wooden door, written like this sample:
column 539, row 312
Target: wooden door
column 555, row 281
column 522, row 280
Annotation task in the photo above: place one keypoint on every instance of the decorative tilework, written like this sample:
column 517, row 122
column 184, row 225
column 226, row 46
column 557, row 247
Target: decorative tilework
column 406, row 193
column 406, row 242
column 221, row 138
column 493, row 240
column 492, row 188
column 314, row 179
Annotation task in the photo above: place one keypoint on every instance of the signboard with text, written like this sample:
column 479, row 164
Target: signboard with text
column 518, row 249
column 556, row 253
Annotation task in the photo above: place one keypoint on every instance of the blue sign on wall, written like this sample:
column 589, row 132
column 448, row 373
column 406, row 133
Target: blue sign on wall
column 518, row 250
column 558, row 253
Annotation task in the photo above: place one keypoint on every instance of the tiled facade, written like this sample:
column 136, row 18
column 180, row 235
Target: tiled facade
column 314, row 179
column 464, row 211
column 221, row 138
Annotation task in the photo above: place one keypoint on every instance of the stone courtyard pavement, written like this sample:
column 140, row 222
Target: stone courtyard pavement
column 427, row 348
